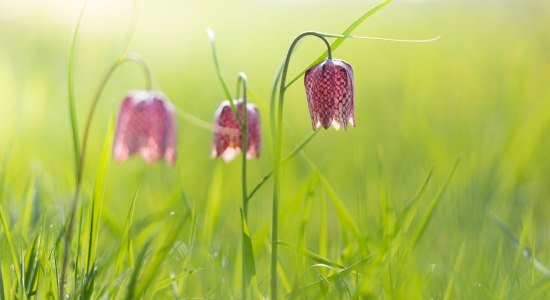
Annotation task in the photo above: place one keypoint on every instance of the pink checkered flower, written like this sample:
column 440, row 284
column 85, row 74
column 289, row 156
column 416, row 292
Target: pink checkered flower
column 329, row 92
column 227, row 140
column 146, row 125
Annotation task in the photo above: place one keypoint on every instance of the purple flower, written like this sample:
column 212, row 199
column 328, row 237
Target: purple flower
column 146, row 124
column 329, row 91
column 227, row 140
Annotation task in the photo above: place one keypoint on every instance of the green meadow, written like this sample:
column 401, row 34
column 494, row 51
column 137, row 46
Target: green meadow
column 441, row 191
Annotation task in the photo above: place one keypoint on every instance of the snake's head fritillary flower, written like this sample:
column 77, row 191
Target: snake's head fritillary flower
column 146, row 125
column 227, row 140
column 329, row 92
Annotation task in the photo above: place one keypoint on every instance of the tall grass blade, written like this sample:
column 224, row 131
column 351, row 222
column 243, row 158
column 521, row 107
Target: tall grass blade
column 11, row 245
column 332, row 277
column 98, row 193
column 26, row 214
column 410, row 210
column 431, row 207
column 346, row 220
column 311, row 255
column 31, row 265
column 160, row 254
column 248, row 259
column 526, row 253
column 214, row 202
column 126, row 233
column 287, row 158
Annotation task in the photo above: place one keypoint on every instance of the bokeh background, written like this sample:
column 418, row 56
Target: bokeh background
column 480, row 92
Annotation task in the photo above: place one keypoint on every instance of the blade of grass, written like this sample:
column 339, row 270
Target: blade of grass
column 26, row 214
column 167, row 282
column 337, row 275
column 31, row 263
column 248, row 259
column 410, row 210
column 323, row 235
column 524, row 251
column 456, row 269
column 346, row 220
column 534, row 291
column 11, row 245
column 306, row 211
column 285, row 160
column 99, row 193
column 140, row 261
column 126, row 233
column 214, row 201
column 431, row 207
column 311, row 255
column 160, row 254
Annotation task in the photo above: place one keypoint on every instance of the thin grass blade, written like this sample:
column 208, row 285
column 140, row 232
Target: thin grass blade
column 431, row 207
column 99, row 193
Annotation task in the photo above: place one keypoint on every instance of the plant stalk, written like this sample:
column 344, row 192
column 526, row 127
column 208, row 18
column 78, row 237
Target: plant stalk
column 277, row 162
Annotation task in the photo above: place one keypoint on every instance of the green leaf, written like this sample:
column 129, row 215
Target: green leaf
column 26, row 214
column 344, row 216
column 409, row 212
column 431, row 207
column 337, row 275
column 11, row 245
column 160, row 254
column 287, row 158
column 526, row 253
column 126, row 236
column 248, row 259
column 311, row 255
column 31, row 264
column 99, row 192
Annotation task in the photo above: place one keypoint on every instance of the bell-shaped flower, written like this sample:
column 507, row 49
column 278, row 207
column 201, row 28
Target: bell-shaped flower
column 329, row 92
column 146, row 125
column 227, row 140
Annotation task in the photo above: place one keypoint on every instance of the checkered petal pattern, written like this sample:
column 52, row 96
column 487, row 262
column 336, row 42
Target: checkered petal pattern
column 146, row 125
column 329, row 92
column 227, row 140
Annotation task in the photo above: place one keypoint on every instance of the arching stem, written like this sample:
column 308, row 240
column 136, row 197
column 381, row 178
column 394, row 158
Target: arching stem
column 80, row 167
column 277, row 162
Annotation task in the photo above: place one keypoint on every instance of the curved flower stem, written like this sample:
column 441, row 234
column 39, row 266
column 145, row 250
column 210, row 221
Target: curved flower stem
column 277, row 163
column 80, row 167
column 244, row 146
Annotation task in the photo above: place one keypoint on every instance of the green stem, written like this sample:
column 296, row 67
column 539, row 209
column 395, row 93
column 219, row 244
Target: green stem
column 80, row 166
column 277, row 163
column 244, row 146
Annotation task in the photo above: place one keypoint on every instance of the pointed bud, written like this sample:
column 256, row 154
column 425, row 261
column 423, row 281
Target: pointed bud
column 146, row 125
column 329, row 92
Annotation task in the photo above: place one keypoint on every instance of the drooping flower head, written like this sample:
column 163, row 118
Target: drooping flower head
column 227, row 140
column 146, row 125
column 329, row 92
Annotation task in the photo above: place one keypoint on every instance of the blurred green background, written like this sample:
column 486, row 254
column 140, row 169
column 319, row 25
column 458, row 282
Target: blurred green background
column 481, row 92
